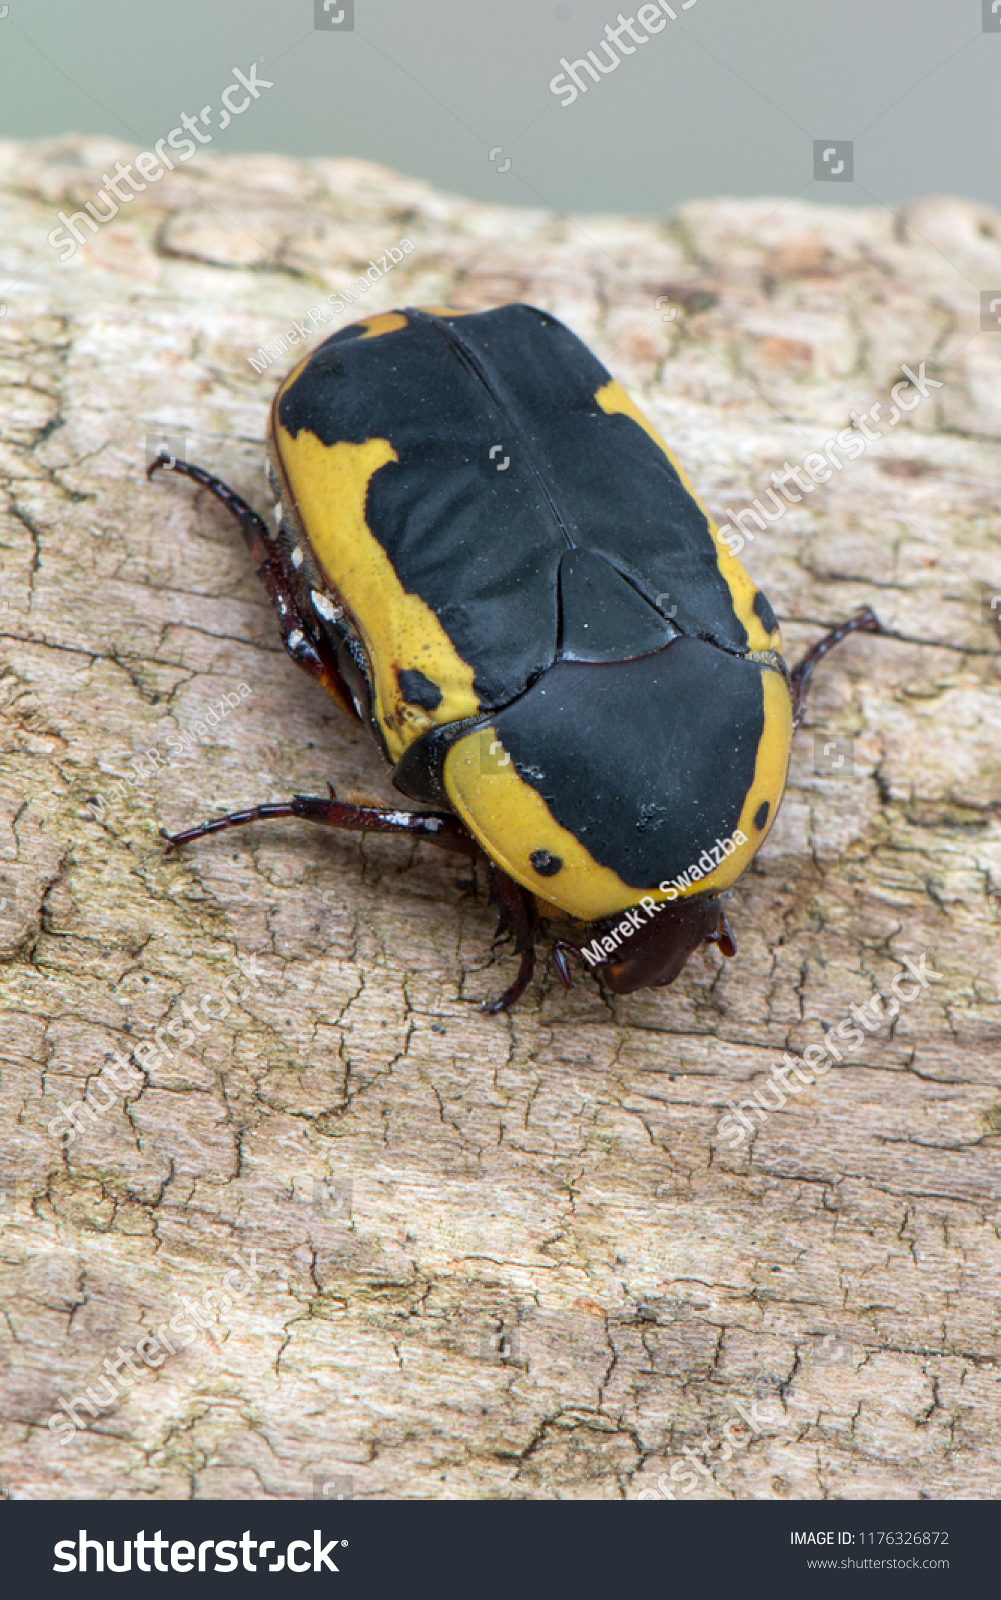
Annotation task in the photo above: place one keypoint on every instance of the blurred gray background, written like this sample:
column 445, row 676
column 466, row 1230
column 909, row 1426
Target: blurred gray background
column 727, row 99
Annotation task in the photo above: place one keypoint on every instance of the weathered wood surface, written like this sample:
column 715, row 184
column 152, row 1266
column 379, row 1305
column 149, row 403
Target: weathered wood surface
column 549, row 1273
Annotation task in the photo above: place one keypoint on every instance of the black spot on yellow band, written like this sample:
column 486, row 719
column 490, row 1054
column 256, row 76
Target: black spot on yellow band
column 545, row 864
column 417, row 690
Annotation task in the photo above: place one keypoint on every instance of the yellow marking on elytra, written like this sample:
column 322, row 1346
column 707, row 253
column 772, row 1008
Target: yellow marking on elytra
column 386, row 322
column 445, row 311
column 613, row 400
column 511, row 821
column 771, row 766
column 330, row 485
column 382, row 322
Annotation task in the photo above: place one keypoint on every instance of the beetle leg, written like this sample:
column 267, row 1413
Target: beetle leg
column 517, row 915
column 723, row 937
column 313, row 655
column 803, row 671
column 437, row 827
column 561, row 949
column 518, row 987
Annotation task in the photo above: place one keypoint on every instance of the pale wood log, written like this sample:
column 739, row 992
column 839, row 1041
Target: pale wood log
column 555, row 1175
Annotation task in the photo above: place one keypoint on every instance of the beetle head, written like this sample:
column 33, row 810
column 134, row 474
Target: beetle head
column 657, row 951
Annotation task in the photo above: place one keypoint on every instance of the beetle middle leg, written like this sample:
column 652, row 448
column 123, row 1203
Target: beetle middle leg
column 312, row 653
column 435, row 827
column 517, row 916
column 866, row 620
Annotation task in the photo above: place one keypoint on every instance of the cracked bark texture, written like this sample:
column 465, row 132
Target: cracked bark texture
column 536, row 1269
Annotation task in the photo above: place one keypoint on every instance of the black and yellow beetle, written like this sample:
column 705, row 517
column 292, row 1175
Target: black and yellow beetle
column 486, row 553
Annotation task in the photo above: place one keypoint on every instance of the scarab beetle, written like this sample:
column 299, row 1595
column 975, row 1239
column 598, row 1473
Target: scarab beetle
column 485, row 553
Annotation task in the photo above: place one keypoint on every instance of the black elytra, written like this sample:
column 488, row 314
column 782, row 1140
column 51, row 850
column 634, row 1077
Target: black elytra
column 488, row 555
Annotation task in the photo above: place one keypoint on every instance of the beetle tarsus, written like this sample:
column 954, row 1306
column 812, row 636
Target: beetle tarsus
column 517, row 916
column 253, row 527
column 518, row 987
column 865, row 620
column 561, row 949
column 233, row 819
column 436, row 827
column 723, row 937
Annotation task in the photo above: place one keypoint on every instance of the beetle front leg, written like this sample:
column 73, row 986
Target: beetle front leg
column 314, row 655
column 866, row 620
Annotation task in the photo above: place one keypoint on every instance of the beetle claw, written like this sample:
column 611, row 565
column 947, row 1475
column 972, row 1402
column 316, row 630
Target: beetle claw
column 723, row 937
column 561, row 949
column 517, row 988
